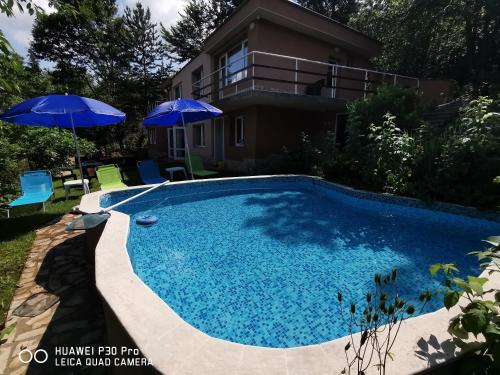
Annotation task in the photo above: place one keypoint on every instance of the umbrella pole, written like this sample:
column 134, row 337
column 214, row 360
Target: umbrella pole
column 78, row 153
column 186, row 145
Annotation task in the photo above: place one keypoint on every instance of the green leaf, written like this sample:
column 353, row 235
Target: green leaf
column 7, row 330
column 475, row 321
column 433, row 269
column 476, row 287
column 451, row 299
column 493, row 240
column 493, row 331
column 455, row 329
column 480, row 280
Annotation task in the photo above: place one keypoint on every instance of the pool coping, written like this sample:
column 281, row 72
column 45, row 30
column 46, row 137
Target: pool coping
column 176, row 347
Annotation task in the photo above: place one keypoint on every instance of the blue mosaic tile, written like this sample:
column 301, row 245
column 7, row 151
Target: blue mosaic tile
column 260, row 261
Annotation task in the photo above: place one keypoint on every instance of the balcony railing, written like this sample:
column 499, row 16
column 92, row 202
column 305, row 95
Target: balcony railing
column 263, row 71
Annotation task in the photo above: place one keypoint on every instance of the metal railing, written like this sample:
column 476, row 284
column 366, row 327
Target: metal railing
column 264, row 71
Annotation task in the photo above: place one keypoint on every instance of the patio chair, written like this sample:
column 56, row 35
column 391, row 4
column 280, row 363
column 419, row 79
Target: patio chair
column 198, row 168
column 150, row 172
column 109, row 177
column 36, row 187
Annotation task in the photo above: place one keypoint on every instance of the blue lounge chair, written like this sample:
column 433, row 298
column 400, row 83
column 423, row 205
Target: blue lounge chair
column 150, row 172
column 36, row 187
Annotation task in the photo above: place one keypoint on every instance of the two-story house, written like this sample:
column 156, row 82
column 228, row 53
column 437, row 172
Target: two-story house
column 275, row 69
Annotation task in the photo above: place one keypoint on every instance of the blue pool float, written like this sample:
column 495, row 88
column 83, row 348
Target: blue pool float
column 146, row 220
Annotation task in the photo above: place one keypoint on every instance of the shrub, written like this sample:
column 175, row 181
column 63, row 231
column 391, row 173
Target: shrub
column 52, row 149
column 373, row 137
column 479, row 317
column 470, row 158
column 402, row 103
column 392, row 155
column 24, row 148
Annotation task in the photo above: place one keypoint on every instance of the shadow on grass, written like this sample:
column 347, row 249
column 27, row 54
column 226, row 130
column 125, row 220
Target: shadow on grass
column 16, row 226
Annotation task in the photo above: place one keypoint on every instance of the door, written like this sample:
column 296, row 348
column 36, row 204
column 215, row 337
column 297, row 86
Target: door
column 219, row 139
column 176, row 145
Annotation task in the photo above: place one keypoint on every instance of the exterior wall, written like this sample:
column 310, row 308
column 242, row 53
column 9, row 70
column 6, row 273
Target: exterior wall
column 293, row 17
column 205, row 152
column 273, row 38
column 240, row 157
column 268, row 130
column 282, row 127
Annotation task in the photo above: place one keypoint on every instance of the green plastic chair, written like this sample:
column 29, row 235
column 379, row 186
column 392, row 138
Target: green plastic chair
column 109, row 177
column 198, row 168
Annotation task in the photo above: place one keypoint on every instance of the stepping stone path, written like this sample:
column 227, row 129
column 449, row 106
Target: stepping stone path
column 55, row 304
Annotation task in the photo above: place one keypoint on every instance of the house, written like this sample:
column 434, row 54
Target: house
column 276, row 69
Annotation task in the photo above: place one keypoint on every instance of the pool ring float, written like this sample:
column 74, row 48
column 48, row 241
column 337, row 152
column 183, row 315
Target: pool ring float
column 146, row 220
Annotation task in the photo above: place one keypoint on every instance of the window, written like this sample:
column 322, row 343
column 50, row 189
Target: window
column 177, row 91
column 199, row 135
column 196, row 77
column 239, row 131
column 152, row 136
column 233, row 64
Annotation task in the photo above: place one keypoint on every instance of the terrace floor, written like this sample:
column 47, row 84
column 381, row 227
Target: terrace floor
column 55, row 303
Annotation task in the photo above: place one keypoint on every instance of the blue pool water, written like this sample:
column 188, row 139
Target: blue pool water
column 261, row 263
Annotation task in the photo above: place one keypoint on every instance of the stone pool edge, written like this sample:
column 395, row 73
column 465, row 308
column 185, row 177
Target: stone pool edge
column 174, row 346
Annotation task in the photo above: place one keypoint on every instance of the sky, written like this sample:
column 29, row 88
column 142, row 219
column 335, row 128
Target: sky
column 18, row 29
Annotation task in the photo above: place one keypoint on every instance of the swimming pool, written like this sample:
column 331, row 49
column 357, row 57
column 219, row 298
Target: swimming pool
column 260, row 262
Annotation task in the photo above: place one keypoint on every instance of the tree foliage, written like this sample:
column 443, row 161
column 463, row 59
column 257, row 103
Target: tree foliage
column 148, row 70
column 457, row 39
column 185, row 39
column 339, row 10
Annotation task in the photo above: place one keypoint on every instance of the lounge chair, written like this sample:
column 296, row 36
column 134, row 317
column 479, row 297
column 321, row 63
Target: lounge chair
column 150, row 172
column 198, row 168
column 36, row 187
column 109, row 177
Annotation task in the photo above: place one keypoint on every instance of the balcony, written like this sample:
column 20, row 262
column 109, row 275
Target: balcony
column 267, row 78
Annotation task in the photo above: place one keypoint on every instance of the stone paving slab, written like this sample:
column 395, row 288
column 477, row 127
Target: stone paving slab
column 56, row 271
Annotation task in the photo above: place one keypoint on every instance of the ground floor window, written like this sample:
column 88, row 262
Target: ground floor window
column 239, row 131
column 199, row 135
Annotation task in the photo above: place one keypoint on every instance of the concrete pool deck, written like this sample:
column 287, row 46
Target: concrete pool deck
column 175, row 347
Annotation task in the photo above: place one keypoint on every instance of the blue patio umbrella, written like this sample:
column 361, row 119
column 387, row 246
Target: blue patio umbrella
column 181, row 112
column 64, row 111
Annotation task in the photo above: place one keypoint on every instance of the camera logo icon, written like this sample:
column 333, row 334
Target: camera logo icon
column 39, row 356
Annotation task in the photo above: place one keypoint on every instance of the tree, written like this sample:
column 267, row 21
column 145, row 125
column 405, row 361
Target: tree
column 148, row 70
column 8, row 6
column 185, row 39
column 458, row 39
column 88, row 38
column 339, row 10
column 10, row 70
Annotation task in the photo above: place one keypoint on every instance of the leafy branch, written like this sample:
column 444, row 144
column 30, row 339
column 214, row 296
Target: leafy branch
column 379, row 324
column 479, row 315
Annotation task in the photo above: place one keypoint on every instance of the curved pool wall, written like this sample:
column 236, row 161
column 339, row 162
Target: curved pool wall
column 144, row 315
